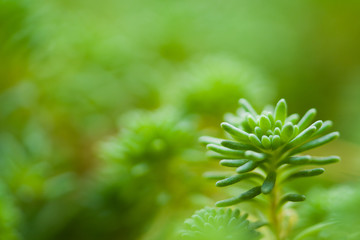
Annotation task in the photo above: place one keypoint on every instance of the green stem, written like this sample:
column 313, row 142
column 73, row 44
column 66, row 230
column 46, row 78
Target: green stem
column 275, row 210
column 275, row 214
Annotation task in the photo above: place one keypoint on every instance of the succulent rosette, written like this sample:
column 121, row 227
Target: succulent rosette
column 268, row 148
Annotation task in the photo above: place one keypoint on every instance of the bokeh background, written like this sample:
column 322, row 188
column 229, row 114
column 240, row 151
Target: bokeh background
column 102, row 103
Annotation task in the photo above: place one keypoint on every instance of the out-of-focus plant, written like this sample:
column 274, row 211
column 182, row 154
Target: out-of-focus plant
column 214, row 224
column 331, row 213
column 142, row 171
column 210, row 86
column 69, row 68
column 38, row 190
column 266, row 149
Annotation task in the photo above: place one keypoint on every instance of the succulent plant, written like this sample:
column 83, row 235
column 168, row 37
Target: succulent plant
column 148, row 150
column 219, row 223
column 201, row 88
column 149, row 138
column 267, row 148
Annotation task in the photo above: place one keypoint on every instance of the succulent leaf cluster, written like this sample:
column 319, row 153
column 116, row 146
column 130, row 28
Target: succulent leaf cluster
column 146, row 150
column 219, row 223
column 147, row 156
column 149, row 138
column 268, row 147
column 201, row 88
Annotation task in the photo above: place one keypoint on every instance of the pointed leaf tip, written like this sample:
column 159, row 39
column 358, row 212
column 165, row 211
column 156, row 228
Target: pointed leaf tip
column 287, row 132
column 281, row 110
column 242, row 197
column 234, row 131
column 292, row 197
column 247, row 106
column 265, row 123
column 306, row 120
column 307, row 173
column 206, row 140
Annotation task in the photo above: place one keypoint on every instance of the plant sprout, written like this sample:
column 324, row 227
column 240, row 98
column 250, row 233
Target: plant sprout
column 268, row 149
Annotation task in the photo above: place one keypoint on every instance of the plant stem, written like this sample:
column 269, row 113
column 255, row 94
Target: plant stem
column 274, row 213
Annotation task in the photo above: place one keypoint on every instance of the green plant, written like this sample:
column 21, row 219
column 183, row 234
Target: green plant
column 211, row 223
column 147, row 150
column 335, row 207
column 266, row 150
column 200, row 88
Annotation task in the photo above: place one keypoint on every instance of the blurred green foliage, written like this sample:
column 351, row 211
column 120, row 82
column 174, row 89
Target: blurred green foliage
column 336, row 206
column 9, row 215
column 210, row 223
column 141, row 167
column 170, row 70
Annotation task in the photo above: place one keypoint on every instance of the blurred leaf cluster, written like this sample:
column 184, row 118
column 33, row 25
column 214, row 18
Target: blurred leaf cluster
column 214, row 224
column 101, row 104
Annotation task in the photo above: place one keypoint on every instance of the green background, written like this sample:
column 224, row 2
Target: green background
column 152, row 76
